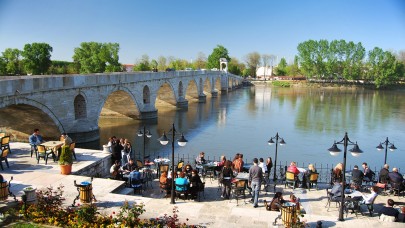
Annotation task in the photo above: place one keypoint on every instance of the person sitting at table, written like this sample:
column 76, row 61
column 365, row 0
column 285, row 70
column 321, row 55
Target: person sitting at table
column 337, row 173
column 129, row 166
column 293, row 168
column 35, row 138
column 307, row 174
column 276, row 202
column 195, row 183
column 227, row 175
column 165, row 183
column 182, row 183
column 389, row 211
column 368, row 199
column 188, row 170
column 116, row 170
column 367, row 172
column 357, row 178
column 396, row 180
column 200, row 159
column 383, row 176
column 66, row 139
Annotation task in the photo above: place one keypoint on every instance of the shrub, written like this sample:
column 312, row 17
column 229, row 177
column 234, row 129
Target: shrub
column 281, row 83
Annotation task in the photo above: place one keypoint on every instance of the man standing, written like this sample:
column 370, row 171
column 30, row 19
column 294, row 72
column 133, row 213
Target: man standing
column 255, row 179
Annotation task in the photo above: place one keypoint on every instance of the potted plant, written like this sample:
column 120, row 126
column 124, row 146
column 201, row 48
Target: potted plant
column 65, row 160
column 30, row 193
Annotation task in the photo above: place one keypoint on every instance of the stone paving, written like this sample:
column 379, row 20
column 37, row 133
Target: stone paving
column 212, row 211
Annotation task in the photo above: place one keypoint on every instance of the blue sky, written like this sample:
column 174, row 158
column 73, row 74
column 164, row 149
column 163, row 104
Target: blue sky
column 183, row 28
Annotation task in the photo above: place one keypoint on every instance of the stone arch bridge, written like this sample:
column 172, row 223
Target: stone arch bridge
column 74, row 102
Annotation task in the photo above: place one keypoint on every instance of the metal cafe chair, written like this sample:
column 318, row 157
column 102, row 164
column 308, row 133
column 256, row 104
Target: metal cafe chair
column 3, row 157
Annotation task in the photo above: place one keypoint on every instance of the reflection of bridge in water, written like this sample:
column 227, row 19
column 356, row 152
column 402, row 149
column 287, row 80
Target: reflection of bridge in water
column 73, row 103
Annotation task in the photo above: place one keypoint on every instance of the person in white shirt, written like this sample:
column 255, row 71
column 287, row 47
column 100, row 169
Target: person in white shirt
column 368, row 199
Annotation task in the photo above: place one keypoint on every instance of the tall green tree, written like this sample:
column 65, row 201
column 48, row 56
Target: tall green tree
column 252, row 61
column 93, row 57
column 217, row 53
column 307, row 56
column 3, row 64
column 37, row 57
column 383, row 68
column 12, row 58
column 281, row 69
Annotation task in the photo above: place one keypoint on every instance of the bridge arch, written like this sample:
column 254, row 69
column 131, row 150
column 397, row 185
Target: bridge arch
column 41, row 107
column 80, row 107
column 128, row 106
column 146, row 94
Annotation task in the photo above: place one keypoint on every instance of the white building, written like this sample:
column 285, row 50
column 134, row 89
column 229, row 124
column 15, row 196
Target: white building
column 264, row 72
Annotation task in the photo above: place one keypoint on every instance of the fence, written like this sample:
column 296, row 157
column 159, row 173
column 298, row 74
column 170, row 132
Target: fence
column 324, row 170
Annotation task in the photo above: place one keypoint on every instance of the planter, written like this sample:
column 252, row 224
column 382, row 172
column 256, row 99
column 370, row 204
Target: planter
column 65, row 169
column 3, row 190
column 30, row 193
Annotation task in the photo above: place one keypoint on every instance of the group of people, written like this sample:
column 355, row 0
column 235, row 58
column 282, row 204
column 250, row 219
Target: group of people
column 121, row 149
column 302, row 178
column 36, row 139
column 187, row 181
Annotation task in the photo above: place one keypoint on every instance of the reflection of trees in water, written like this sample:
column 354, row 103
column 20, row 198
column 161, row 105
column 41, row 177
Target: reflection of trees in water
column 335, row 109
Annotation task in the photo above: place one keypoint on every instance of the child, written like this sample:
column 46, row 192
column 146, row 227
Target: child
column 295, row 200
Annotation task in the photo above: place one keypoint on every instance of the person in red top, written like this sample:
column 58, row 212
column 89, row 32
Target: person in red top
column 293, row 168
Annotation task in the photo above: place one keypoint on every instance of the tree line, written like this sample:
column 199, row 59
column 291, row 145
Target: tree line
column 321, row 59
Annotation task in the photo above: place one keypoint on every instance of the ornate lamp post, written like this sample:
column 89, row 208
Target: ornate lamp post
column 271, row 142
column 146, row 134
column 392, row 148
column 334, row 151
column 182, row 142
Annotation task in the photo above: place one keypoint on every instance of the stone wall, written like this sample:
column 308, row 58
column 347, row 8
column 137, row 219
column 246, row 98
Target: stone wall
column 99, row 168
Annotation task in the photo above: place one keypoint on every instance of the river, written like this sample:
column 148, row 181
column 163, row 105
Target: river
column 308, row 119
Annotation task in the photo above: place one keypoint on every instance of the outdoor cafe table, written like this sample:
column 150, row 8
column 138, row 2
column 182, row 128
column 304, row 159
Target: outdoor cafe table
column 53, row 145
column 242, row 176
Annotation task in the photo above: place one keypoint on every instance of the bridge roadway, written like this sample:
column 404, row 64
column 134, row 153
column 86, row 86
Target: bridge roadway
column 74, row 102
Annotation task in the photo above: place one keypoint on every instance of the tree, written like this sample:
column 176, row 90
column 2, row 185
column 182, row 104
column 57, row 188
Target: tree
column 93, row 57
column 293, row 70
column 235, row 67
column 161, row 63
column 142, row 64
column 282, row 68
column 201, row 61
column 383, row 68
column 178, row 64
column 3, row 70
column 252, row 61
column 154, row 64
column 110, row 56
column 217, row 53
column 12, row 61
column 37, row 57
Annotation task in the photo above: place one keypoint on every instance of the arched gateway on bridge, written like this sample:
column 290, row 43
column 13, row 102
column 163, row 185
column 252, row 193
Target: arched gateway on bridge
column 74, row 102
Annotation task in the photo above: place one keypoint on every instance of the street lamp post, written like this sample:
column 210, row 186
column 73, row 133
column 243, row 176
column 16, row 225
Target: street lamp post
column 271, row 142
column 182, row 142
column 334, row 151
column 145, row 134
column 392, row 148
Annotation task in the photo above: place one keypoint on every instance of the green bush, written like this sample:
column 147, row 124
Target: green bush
column 65, row 156
column 281, row 83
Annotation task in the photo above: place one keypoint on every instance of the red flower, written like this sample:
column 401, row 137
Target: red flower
column 114, row 212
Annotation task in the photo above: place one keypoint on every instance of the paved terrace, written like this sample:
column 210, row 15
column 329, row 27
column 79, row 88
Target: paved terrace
column 212, row 211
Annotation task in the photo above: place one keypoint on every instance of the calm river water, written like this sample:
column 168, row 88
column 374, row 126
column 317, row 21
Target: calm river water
column 309, row 120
